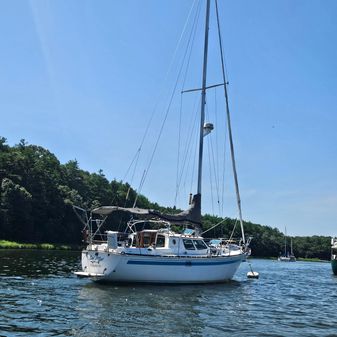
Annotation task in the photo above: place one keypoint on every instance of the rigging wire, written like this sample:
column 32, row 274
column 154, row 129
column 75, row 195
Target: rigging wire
column 233, row 231
column 223, row 173
column 137, row 155
column 210, row 175
column 134, row 159
column 216, row 225
column 212, row 165
column 188, row 154
column 178, row 159
column 189, row 46
column 165, row 118
column 216, row 174
column 140, row 186
column 229, row 126
column 217, row 151
column 186, row 172
column 194, row 161
column 132, row 177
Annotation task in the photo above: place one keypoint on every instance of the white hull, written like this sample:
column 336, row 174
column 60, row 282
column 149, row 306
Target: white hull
column 287, row 259
column 105, row 266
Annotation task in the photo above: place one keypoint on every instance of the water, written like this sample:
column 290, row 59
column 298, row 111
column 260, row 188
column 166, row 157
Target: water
column 39, row 296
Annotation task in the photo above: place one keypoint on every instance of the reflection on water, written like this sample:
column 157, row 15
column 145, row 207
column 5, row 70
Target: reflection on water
column 40, row 296
column 38, row 263
column 150, row 310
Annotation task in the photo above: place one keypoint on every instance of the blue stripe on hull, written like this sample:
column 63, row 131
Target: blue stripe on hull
column 180, row 263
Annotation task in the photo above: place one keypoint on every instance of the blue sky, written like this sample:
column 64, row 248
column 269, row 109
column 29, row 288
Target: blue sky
column 82, row 79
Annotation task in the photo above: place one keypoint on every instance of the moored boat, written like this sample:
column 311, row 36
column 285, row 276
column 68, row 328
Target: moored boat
column 151, row 249
column 334, row 255
column 156, row 255
column 287, row 256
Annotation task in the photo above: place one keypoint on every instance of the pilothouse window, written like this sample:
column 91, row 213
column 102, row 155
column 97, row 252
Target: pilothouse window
column 146, row 241
column 199, row 244
column 160, row 241
column 188, row 244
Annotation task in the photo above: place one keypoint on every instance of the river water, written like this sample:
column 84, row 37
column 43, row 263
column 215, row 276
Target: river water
column 39, row 296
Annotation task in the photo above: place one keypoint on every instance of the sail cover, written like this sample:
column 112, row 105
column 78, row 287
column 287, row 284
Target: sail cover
column 191, row 215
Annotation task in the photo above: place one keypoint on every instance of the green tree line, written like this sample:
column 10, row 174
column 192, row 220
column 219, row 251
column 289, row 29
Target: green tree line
column 37, row 193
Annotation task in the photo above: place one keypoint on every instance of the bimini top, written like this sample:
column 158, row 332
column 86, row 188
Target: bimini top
column 191, row 215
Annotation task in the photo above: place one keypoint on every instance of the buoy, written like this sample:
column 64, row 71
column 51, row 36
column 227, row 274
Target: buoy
column 253, row 274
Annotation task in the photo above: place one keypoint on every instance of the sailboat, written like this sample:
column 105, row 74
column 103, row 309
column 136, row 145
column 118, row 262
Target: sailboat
column 334, row 255
column 150, row 250
column 287, row 257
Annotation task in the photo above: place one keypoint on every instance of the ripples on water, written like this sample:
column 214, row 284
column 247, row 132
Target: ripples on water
column 39, row 296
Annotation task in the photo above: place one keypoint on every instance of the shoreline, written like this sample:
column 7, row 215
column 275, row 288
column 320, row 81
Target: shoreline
column 298, row 259
column 5, row 244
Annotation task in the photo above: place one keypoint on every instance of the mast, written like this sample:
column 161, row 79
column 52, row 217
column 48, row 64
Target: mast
column 291, row 246
column 202, row 115
column 285, row 241
column 203, row 99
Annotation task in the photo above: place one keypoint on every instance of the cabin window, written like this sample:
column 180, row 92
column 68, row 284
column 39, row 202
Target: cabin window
column 135, row 241
column 146, row 241
column 129, row 244
column 199, row 244
column 188, row 244
column 160, row 241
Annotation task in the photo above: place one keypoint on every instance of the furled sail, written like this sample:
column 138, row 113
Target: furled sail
column 191, row 215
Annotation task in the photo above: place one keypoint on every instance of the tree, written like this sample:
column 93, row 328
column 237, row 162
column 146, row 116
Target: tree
column 16, row 209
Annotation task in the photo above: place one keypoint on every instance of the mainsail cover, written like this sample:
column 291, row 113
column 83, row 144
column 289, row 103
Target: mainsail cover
column 191, row 215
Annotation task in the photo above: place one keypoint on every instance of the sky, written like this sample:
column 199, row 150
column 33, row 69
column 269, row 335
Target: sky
column 84, row 78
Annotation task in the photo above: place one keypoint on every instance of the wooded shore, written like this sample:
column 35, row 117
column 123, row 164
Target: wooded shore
column 37, row 194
